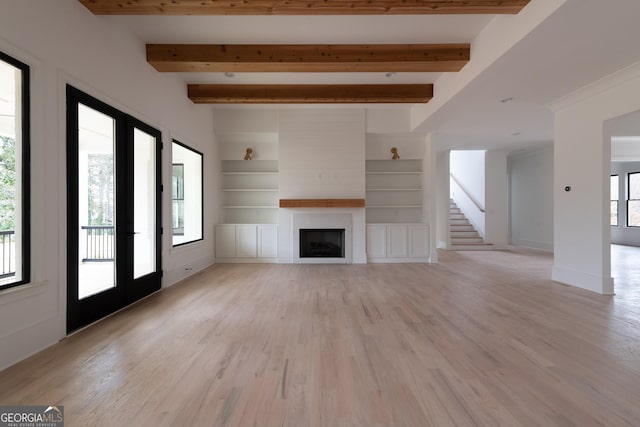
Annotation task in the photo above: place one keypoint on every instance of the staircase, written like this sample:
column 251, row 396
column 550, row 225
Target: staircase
column 463, row 236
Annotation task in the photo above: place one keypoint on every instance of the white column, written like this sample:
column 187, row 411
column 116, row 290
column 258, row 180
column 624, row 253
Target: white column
column 430, row 192
column 496, row 199
column 581, row 230
column 442, row 214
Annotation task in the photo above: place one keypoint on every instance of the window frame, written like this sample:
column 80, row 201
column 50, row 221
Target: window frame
column 629, row 199
column 25, row 148
column 617, row 200
column 201, row 238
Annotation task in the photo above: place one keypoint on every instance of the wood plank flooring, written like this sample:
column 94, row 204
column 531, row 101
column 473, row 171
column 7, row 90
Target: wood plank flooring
column 481, row 339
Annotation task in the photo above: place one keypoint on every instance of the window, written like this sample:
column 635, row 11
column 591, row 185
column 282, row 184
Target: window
column 614, row 200
column 633, row 203
column 177, row 198
column 14, row 172
column 186, row 194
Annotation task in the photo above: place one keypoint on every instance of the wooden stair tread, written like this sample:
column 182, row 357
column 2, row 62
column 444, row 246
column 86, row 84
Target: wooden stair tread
column 462, row 234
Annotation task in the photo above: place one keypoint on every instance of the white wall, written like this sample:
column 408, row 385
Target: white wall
column 64, row 43
column 582, row 160
column 468, row 167
column 622, row 234
column 322, row 155
column 388, row 120
column 625, row 148
column 409, row 145
column 531, row 199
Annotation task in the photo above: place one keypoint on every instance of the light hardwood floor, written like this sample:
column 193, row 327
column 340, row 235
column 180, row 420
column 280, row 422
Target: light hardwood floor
column 483, row 338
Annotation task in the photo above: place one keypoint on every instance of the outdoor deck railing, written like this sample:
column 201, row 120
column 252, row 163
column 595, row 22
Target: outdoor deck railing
column 8, row 254
column 100, row 243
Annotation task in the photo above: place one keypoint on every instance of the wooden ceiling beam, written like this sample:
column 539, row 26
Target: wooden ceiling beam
column 308, row 58
column 310, row 94
column 303, row 7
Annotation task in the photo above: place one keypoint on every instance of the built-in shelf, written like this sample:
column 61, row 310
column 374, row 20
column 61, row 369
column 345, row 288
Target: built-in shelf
column 249, row 207
column 394, row 206
column 394, row 191
column 274, row 190
column 322, row 203
column 392, row 173
column 250, row 173
column 250, row 191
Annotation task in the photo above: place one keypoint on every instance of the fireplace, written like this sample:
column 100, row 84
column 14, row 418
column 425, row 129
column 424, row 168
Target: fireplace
column 322, row 243
column 326, row 231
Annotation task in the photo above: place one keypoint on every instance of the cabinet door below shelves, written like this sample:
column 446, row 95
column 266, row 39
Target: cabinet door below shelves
column 267, row 241
column 376, row 241
column 397, row 241
column 418, row 241
column 225, row 241
column 246, row 241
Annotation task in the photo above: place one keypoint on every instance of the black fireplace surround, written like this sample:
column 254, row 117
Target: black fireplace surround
column 322, row 243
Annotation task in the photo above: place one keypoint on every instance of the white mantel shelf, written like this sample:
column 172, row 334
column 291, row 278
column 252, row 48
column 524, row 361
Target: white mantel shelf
column 322, row 203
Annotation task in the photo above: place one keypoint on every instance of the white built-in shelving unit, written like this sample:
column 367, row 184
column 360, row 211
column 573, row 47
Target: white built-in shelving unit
column 394, row 191
column 250, row 191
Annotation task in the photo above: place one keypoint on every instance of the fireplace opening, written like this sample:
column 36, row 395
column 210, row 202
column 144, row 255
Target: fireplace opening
column 322, row 243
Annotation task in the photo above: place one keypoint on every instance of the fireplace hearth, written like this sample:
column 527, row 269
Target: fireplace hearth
column 322, row 243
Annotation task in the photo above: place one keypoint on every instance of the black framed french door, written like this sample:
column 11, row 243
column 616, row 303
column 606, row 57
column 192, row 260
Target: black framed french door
column 113, row 207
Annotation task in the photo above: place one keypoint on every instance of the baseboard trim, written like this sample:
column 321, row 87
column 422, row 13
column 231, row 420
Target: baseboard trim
column 590, row 282
column 532, row 244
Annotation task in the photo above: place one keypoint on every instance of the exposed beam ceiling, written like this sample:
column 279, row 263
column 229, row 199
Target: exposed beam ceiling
column 308, row 58
column 330, row 59
column 303, row 7
column 309, row 94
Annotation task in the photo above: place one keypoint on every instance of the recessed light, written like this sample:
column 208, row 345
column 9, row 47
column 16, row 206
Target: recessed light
column 230, row 75
column 391, row 74
column 505, row 100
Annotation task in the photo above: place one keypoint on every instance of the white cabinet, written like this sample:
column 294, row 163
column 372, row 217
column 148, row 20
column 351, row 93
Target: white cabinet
column 376, row 241
column 394, row 191
column 268, row 241
column 418, row 244
column 225, row 241
column 246, row 242
column 397, row 243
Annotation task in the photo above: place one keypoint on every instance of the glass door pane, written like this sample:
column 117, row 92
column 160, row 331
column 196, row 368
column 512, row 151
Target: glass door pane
column 96, row 202
column 144, row 210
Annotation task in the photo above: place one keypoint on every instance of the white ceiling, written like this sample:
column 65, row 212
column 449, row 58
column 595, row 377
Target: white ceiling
column 584, row 40
column 305, row 30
